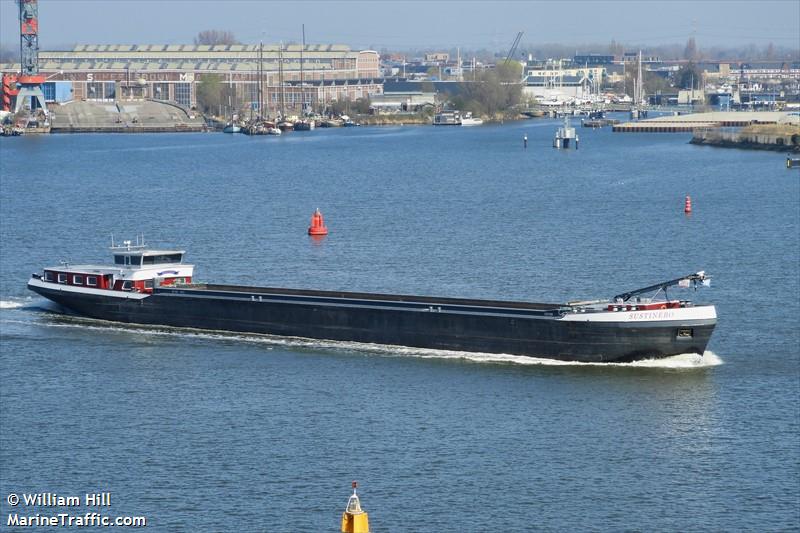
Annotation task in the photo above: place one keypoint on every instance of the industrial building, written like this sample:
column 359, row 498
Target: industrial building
column 555, row 81
column 404, row 97
column 593, row 59
column 273, row 76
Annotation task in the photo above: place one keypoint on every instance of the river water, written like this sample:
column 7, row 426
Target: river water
column 214, row 432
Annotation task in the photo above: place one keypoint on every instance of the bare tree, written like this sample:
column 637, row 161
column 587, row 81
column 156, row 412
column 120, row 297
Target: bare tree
column 215, row 37
column 615, row 48
column 690, row 52
column 8, row 55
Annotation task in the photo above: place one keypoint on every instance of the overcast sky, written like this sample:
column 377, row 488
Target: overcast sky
column 412, row 24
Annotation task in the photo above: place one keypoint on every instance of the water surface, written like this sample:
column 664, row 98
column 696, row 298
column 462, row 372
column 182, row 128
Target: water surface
column 209, row 431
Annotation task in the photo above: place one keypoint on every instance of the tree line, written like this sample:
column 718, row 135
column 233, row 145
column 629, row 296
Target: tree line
column 494, row 93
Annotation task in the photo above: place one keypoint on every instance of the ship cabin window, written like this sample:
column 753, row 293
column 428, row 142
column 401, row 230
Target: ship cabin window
column 128, row 260
column 48, row 276
column 77, row 279
column 127, row 285
column 162, row 259
column 148, row 284
column 91, row 281
column 62, row 278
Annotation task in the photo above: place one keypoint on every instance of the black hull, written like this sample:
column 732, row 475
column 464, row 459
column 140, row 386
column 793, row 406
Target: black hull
column 528, row 330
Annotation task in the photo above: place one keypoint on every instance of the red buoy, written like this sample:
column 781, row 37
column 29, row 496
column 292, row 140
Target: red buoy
column 687, row 207
column 317, row 224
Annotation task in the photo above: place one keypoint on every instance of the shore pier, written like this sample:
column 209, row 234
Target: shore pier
column 704, row 121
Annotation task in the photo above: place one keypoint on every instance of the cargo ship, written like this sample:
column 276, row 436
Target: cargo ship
column 155, row 287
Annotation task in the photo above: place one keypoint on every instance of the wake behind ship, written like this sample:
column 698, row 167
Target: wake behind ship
column 155, row 287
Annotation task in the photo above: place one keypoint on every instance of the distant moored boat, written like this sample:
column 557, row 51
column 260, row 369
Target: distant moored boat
column 469, row 120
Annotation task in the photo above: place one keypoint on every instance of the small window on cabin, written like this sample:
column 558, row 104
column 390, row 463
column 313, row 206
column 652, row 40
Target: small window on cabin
column 163, row 259
column 91, row 281
column 119, row 259
column 48, row 276
column 136, row 260
column 127, row 285
column 77, row 280
column 62, row 278
column 148, row 284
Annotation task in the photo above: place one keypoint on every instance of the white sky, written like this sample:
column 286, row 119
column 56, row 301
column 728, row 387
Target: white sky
column 413, row 24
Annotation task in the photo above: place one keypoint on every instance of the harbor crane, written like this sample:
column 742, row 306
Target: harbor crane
column 514, row 47
column 29, row 80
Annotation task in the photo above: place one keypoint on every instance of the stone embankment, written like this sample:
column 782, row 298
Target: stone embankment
column 779, row 137
column 135, row 116
column 706, row 121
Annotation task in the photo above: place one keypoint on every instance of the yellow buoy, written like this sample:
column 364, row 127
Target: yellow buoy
column 354, row 520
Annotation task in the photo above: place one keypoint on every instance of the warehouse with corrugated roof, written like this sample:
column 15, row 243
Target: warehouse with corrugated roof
column 268, row 75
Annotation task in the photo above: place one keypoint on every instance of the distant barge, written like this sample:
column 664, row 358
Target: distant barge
column 155, row 287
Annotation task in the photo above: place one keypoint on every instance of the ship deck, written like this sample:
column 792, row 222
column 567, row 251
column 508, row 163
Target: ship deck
column 364, row 298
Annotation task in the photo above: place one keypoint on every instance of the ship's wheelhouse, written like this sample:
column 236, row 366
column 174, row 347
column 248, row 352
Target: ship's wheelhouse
column 147, row 258
column 135, row 269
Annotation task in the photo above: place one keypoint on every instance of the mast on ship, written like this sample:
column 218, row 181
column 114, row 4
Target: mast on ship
column 641, row 81
column 280, row 79
column 302, row 92
column 261, row 79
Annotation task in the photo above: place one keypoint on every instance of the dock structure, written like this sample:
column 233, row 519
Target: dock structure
column 784, row 137
column 134, row 116
column 565, row 136
column 662, row 127
column 599, row 122
column 704, row 121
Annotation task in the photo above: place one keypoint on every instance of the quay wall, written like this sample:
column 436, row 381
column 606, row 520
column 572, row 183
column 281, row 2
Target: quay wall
column 705, row 121
column 131, row 116
column 784, row 139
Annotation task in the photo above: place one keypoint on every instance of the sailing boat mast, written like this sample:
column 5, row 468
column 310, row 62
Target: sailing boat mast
column 624, row 78
column 280, row 78
column 636, row 90
column 639, row 84
column 261, row 79
column 641, row 75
